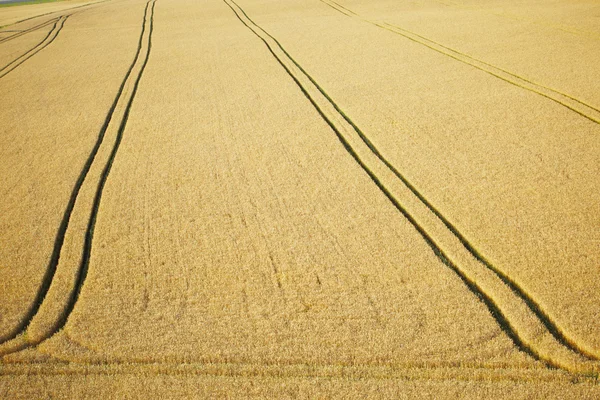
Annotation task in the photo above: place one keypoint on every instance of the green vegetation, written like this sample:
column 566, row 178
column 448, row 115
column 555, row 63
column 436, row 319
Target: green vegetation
column 27, row 2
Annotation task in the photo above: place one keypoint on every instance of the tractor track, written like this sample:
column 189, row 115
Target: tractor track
column 543, row 316
column 19, row 339
column 283, row 370
column 516, row 312
column 48, row 39
column 49, row 13
column 32, row 29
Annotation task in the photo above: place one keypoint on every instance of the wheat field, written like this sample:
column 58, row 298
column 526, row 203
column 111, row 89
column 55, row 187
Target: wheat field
column 300, row 199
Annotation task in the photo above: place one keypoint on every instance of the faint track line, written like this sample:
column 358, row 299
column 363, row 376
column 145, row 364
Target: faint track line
column 527, row 331
column 49, row 13
column 280, row 371
column 564, row 28
column 50, row 37
column 339, row 6
column 578, row 106
column 32, row 29
column 21, row 330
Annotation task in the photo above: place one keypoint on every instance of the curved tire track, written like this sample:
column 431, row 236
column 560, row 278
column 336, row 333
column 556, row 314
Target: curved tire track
column 570, row 102
column 116, row 121
column 539, row 21
column 513, row 313
column 50, row 37
column 32, row 29
column 50, row 13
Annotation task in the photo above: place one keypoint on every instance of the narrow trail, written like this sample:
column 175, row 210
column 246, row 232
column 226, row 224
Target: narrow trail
column 115, row 122
column 572, row 103
column 515, row 311
column 50, row 37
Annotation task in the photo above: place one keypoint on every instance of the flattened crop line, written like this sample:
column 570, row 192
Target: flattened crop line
column 32, row 29
column 283, row 371
column 542, row 22
column 543, row 316
column 337, row 9
column 548, row 322
column 504, row 324
column 526, row 330
column 344, row 8
column 62, row 230
column 578, row 106
column 56, row 28
column 89, row 237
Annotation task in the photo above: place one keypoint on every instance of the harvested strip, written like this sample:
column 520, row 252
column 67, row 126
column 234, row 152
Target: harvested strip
column 207, row 386
column 408, row 371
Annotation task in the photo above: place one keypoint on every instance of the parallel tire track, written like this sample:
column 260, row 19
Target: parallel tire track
column 87, row 249
column 50, row 37
column 570, row 102
column 534, row 306
column 32, row 29
column 542, row 22
column 50, row 13
column 18, row 340
column 513, row 314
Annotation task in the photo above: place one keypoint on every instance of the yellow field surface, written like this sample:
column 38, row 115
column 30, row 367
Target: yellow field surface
column 309, row 198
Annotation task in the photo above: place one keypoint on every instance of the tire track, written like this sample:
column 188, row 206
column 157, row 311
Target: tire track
column 549, row 322
column 32, row 29
column 515, row 17
column 513, row 313
column 114, row 123
column 50, row 13
column 282, row 371
column 578, row 106
column 89, row 236
column 50, row 37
